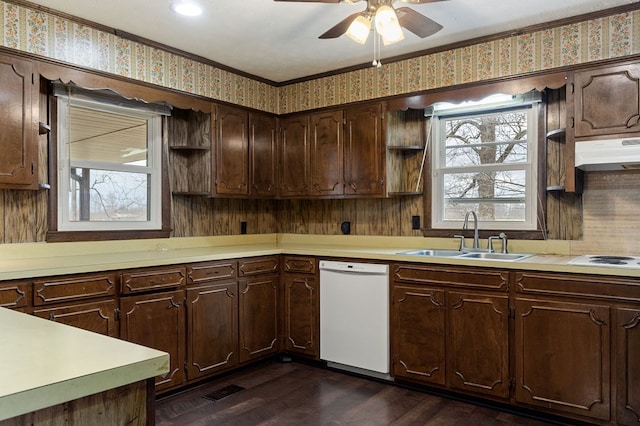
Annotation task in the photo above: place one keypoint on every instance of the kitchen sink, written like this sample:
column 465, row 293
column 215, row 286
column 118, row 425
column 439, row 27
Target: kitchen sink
column 433, row 252
column 508, row 257
column 495, row 256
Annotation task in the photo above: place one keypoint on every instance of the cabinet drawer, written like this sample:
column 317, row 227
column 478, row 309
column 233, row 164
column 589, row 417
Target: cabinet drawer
column 300, row 264
column 598, row 286
column 99, row 317
column 155, row 279
column 260, row 265
column 54, row 290
column 452, row 277
column 210, row 271
column 15, row 294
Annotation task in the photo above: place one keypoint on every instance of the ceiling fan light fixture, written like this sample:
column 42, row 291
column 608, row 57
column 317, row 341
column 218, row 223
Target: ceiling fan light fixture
column 186, row 8
column 387, row 25
column 359, row 29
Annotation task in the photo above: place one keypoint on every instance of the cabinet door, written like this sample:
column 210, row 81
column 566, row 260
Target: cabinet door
column 157, row 321
column 232, row 151
column 327, row 161
column 258, row 304
column 418, row 316
column 628, row 379
column 18, row 139
column 294, row 156
column 478, row 350
column 262, row 148
column 212, row 318
column 302, row 321
column 364, row 151
column 607, row 100
column 99, row 317
column 562, row 355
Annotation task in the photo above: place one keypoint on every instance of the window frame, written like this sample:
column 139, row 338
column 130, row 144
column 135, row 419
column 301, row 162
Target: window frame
column 536, row 230
column 162, row 225
column 153, row 169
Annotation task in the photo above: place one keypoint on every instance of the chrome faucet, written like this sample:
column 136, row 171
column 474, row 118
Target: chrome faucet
column 476, row 242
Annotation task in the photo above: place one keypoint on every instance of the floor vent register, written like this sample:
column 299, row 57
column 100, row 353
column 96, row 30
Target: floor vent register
column 223, row 392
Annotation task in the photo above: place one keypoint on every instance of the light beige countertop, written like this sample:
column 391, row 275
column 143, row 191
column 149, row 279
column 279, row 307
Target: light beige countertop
column 20, row 261
column 45, row 363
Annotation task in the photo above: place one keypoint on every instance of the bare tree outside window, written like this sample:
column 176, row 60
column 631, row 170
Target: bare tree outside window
column 484, row 164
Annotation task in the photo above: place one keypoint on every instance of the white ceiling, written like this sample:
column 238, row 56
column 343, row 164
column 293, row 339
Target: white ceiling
column 278, row 41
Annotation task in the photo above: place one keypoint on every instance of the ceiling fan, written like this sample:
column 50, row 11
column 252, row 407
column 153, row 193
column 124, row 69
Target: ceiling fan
column 388, row 21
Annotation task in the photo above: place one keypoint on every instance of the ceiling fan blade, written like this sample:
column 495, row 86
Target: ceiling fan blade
column 311, row 1
column 341, row 27
column 414, row 1
column 416, row 22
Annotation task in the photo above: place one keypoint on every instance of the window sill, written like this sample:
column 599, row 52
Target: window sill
column 68, row 236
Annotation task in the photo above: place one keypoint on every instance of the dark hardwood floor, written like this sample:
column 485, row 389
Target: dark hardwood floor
column 299, row 394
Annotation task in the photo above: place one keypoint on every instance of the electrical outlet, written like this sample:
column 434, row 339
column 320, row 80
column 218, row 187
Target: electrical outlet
column 243, row 227
column 415, row 222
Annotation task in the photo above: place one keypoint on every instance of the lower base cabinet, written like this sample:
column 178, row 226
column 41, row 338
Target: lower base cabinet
column 212, row 324
column 301, row 306
column 157, row 320
column 418, row 315
column 478, row 335
column 628, row 362
column 563, row 356
column 98, row 317
column 258, row 312
column 446, row 334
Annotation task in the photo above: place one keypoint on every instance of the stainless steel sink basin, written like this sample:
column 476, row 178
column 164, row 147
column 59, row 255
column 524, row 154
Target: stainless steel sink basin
column 433, row 252
column 507, row 257
column 496, row 256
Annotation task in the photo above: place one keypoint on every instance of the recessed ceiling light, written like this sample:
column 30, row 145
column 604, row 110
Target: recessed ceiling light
column 186, row 8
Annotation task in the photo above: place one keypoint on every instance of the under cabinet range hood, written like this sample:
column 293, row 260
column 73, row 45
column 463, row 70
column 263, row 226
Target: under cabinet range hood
column 608, row 154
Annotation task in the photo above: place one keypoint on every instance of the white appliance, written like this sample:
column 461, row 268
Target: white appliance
column 608, row 154
column 612, row 261
column 354, row 317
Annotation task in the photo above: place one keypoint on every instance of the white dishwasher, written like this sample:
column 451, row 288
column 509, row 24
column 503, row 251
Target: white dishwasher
column 354, row 317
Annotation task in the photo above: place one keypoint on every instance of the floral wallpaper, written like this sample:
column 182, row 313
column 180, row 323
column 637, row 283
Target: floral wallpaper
column 55, row 37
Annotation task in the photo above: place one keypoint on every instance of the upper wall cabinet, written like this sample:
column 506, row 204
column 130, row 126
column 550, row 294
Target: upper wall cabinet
column 327, row 154
column 293, row 156
column 18, row 110
column 262, row 151
column 364, row 170
column 245, row 147
column 232, row 152
column 347, row 152
column 607, row 100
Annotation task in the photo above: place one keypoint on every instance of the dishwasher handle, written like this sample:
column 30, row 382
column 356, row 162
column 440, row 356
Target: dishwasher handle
column 354, row 268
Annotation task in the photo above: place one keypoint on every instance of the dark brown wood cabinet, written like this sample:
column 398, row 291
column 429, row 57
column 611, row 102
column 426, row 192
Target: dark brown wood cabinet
column 86, row 301
column 263, row 155
column 258, row 290
column 18, row 119
column 293, row 156
column 562, row 356
column 450, row 328
column 364, row 169
column 96, row 316
column 628, row 365
column 607, row 100
column 15, row 295
column 478, row 350
column 153, row 314
column 301, row 303
column 231, row 152
column 327, row 154
column 212, row 318
column 418, row 335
